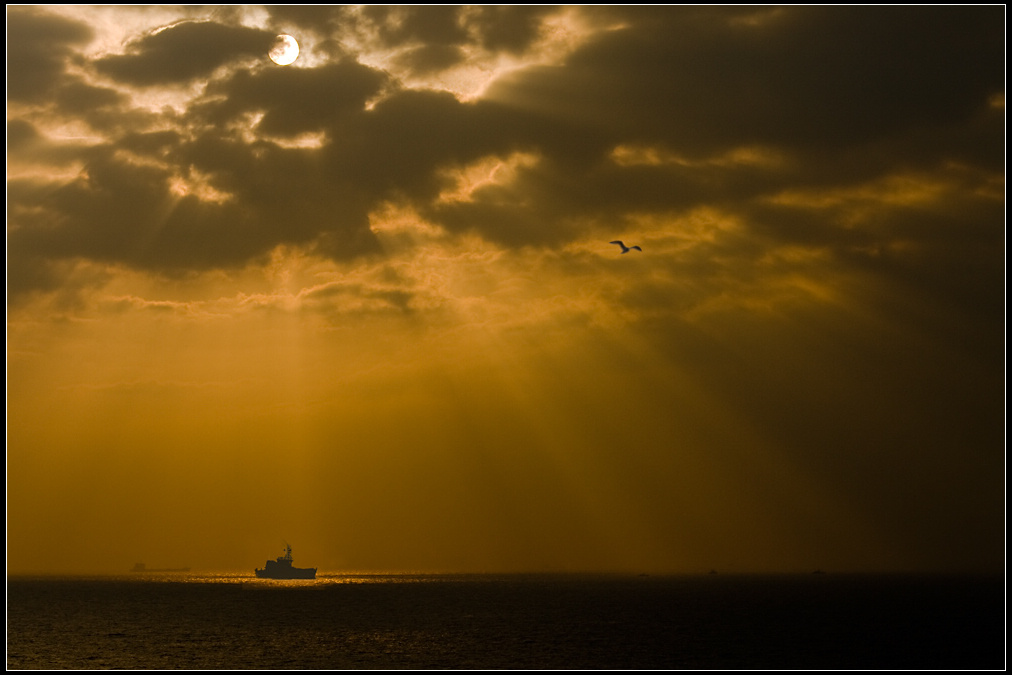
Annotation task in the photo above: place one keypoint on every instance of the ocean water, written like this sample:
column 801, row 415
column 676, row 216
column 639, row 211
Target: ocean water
column 440, row 622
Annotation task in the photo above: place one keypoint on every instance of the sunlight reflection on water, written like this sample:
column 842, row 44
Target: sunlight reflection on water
column 322, row 580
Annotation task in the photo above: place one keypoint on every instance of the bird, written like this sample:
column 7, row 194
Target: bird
column 626, row 249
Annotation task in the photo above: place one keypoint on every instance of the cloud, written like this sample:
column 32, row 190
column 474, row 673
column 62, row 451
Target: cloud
column 294, row 100
column 427, row 30
column 38, row 46
column 416, row 24
column 698, row 80
column 185, row 51
column 664, row 113
column 509, row 28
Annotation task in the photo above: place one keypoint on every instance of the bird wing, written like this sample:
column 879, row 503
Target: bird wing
column 636, row 247
column 616, row 242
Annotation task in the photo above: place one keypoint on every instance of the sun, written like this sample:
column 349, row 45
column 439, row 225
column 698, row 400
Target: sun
column 284, row 50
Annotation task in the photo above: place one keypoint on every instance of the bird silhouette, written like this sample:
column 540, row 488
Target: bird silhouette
column 626, row 249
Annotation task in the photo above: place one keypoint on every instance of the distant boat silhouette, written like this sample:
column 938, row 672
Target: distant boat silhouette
column 626, row 249
column 282, row 568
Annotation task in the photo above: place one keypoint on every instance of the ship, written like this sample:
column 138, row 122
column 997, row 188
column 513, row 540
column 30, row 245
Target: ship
column 282, row 568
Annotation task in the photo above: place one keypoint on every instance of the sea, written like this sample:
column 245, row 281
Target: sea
column 516, row 622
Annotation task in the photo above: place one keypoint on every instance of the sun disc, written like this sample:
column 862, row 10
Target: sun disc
column 284, row 50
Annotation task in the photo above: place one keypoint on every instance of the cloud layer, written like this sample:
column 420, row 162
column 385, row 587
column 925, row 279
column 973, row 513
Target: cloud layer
column 729, row 107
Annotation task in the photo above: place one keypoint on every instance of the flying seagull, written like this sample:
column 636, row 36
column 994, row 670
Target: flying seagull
column 626, row 249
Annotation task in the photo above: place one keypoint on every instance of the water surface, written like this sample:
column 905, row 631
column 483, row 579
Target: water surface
column 194, row 621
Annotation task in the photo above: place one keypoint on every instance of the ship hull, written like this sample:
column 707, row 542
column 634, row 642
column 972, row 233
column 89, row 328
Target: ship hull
column 292, row 573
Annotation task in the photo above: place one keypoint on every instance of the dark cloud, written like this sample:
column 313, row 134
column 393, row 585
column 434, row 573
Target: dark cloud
column 78, row 97
column 125, row 211
column 433, row 34
column 101, row 108
column 103, row 214
column 20, row 134
column 27, row 146
column 846, row 100
column 507, row 27
column 321, row 19
column 279, row 195
column 38, row 45
column 397, row 148
column 183, row 52
column 431, row 37
column 430, row 25
column 699, row 81
column 294, row 100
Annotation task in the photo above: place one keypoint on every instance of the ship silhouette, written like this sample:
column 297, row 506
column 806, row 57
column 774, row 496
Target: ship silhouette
column 282, row 568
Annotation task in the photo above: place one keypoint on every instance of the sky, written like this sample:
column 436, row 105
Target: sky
column 368, row 304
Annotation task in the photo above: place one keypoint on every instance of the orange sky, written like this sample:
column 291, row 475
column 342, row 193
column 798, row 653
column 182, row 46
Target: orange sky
column 366, row 303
